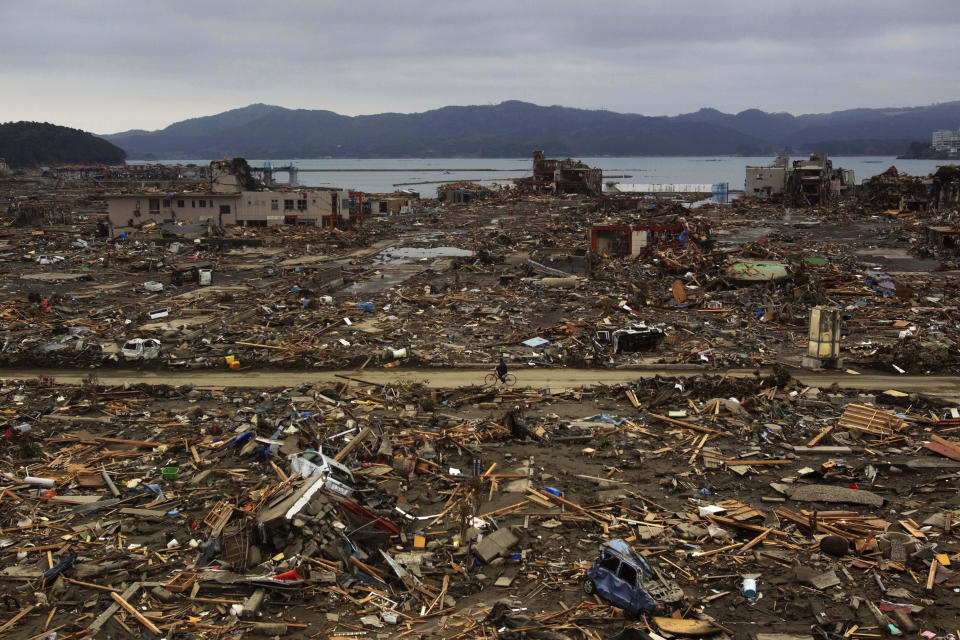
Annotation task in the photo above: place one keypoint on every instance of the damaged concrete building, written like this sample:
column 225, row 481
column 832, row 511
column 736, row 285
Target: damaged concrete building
column 233, row 197
column 564, row 176
column 945, row 239
column 383, row 204
column 462, row 192
column 945, row 187
column 811, row 181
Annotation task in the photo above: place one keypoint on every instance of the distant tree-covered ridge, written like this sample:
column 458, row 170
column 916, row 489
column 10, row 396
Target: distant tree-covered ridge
column 514, row 129
column 33, row 144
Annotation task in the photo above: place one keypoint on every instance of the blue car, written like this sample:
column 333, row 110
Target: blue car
column 623, row 577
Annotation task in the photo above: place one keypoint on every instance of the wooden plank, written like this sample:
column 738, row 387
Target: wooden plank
column 942, row 449
column 350, row 446
column 136, row 443
column 129, row 608
column 760, row 538
column 932, row 575
column 713, row 552
column 112, row 609
column 685, row 425
column 12, row 621
column 815, row 440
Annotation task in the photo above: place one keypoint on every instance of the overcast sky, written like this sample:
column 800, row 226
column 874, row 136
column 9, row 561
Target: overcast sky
column 107, row 66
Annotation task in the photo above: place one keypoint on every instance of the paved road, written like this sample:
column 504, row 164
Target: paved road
column 946, row 386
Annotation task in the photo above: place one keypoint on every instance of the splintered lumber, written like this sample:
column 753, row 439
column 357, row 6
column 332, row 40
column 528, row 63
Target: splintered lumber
column 858, row 417
column 760, row 538
column 685, row 425
column 734, row 462
column 943, row 446
column 739, row 511
column 256, row 345
column 350, row 446
column 129, row 608
column 112, row 609
column 537, row 498
column 713, row 552
column 572, row 505
column 12, row 621
column 815, row 440
column 932, row 575
column 746, row 525
column 632, row 397
column 136, row 443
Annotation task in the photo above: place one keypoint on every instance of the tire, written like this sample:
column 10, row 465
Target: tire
column 509, row 379
column 588, row 586
column 490, row 380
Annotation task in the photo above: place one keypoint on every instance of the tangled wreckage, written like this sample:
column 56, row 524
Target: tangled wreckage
column 319, row 456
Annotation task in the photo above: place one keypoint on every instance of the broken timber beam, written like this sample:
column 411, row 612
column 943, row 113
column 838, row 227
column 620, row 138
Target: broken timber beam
column 686, row 425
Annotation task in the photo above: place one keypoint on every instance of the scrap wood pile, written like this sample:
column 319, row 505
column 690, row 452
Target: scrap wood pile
column 461, row 285
column 362, row 510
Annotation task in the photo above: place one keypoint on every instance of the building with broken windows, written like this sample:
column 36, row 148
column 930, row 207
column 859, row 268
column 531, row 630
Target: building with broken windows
column 232, row 198
column 563, row 176
column 462, row 192
column 315, row 206
column 812, row 181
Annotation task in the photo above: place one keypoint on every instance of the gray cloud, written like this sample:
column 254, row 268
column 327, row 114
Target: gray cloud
column 107, row 65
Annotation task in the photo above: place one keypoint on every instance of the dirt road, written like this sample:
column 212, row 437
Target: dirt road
column 944, row 386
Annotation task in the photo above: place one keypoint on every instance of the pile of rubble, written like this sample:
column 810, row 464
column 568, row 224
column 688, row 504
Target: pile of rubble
column 705, row 506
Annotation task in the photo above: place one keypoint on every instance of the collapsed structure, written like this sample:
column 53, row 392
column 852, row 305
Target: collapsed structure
column 563, row 176
column 903, row 193
column 809, row 182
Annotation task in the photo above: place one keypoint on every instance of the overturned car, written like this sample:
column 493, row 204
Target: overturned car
column 625, row 579
column 631, row 339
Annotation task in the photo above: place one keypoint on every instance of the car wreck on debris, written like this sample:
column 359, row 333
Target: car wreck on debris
column 625, row 578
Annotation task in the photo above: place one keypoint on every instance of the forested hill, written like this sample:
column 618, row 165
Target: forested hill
column 33, row 144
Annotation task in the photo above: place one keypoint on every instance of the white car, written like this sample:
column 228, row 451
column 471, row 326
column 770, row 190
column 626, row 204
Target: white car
column 310, row 464
column 141, row 349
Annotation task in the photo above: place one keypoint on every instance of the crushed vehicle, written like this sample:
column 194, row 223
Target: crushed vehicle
column 311, row 464
column 625, row 579
column 183, row 273
column 141, row 349
column 636, row 337
column 44, row 259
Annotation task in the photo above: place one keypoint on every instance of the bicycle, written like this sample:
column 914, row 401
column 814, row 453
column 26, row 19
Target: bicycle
column 491, row 380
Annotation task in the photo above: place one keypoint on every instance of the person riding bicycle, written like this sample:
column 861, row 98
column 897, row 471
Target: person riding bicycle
column 501, row 370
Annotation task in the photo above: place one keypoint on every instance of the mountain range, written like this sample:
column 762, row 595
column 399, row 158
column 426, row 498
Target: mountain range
column 514, row 129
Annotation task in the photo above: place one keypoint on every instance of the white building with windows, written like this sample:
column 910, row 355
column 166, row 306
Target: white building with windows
column 306, row 206
column 946, row 140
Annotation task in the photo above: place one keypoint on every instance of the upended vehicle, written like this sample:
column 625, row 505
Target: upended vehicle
column 624, row 578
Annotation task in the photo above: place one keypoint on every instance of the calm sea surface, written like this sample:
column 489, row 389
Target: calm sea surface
column 384, row 175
